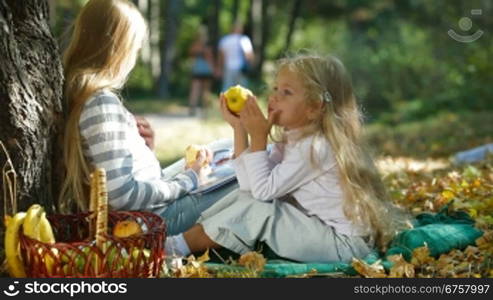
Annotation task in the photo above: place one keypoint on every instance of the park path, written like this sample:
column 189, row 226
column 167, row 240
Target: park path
column 162, row 120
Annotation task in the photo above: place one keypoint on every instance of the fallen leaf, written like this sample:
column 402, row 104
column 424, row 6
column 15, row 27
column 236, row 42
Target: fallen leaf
column 253, row 261
column 401, row 268
column 375, row 270
column 421, row 256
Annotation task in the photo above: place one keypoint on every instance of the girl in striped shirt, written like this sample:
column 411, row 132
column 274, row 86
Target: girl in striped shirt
column 316, row 197
column 101, row 133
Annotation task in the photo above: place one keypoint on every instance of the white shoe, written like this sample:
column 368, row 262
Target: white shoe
column 174, row 262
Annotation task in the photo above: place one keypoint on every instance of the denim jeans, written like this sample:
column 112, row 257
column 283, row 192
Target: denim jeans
column 182, row 214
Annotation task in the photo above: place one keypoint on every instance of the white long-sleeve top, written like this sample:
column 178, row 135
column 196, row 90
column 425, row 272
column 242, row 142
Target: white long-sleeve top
column 111, row 140
column 292, row 168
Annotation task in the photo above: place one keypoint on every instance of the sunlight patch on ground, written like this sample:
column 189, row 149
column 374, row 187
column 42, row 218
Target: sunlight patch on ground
column 388, row 165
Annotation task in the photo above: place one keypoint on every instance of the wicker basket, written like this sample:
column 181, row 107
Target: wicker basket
column 76, row 255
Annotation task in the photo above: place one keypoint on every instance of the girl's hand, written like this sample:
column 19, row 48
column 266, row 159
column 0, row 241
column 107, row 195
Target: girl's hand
column 145, row 131
column 201, row 166
column 228, row 116
column 253, row 120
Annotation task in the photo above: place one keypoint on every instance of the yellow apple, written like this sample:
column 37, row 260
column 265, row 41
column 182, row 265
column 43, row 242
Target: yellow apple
column 191, row 153
column 236, row 97
column 126, row 228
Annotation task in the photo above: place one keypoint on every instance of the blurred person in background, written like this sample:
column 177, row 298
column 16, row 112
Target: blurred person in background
column 202, row 71
column 236, row 55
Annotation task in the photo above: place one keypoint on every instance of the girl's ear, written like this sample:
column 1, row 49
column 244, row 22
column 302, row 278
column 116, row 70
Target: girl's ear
column 314, row 110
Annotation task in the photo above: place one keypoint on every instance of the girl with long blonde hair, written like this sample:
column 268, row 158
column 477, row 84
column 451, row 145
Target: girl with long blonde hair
column 101, row 133
column 316, row 196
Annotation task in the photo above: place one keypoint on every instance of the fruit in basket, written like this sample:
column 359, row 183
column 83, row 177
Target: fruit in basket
column 126, row 228
column 36, row 226
column 15, row 264
column 80, row 260
column 138, row 257
column 236, row 97
column 31, row 222
column 46, row 235
column 48, row 259
column 136, row 252
column 74, row 261
column 45, row 230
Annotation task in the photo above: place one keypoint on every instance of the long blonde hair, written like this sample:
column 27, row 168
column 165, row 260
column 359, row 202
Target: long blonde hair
column 103, row 50
column 327, row 85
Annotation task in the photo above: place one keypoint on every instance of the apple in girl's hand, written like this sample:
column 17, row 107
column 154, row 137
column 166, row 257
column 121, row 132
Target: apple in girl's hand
column 236, row 97
column 191, row 153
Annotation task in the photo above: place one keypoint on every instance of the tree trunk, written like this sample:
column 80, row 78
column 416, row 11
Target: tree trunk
column 234, row 10
column 146, row 48
column 256, row 33
column 31, row 81
column 264, row 38
column 154, row 37
column 295, row 13
column 214, row 29
column 172, row 22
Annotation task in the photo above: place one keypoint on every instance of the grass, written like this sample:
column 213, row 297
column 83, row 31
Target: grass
column 437, row 137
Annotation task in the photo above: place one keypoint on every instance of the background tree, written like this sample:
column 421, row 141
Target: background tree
column 172, row 12
column 143, row 6
column 293, row 17
column 155, row 37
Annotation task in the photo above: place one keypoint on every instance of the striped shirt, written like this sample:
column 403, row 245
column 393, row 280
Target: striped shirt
column 111, row 140
column 288, row 171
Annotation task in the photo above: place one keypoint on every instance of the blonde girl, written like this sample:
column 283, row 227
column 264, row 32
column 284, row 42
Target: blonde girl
column 317, row 195
column 100, row 132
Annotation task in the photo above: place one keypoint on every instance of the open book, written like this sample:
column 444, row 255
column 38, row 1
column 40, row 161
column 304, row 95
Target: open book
column 222, row 171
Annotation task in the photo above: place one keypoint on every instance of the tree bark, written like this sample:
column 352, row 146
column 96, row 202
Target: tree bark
column 31, row 80
column 52, row 19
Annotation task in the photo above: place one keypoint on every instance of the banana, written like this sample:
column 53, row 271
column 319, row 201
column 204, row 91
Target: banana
column 6, row 220
column 48, row 259
column 45, row 230
column 31, row 223
column 12, row 251
column 46, row 235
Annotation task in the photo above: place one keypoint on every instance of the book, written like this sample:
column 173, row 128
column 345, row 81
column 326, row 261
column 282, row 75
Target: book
column 222, row 172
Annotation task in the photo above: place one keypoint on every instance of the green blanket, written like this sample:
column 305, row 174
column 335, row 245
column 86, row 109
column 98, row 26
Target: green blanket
column 441, row 232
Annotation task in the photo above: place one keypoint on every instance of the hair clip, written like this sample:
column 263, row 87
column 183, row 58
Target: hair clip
column 327, row 97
